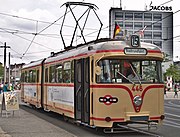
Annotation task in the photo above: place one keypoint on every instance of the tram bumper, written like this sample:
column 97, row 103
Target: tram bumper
column 143, row 118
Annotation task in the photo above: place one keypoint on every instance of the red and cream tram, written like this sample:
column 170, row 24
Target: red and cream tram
column 101, row 84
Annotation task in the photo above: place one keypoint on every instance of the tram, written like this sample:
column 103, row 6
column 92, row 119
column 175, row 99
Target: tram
column 103, row 83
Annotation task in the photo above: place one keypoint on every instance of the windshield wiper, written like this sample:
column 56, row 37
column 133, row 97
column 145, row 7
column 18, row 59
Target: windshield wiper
column 135, row 73
column 125, row 77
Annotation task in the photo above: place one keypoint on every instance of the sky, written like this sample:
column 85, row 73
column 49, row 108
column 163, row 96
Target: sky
column 31, row 28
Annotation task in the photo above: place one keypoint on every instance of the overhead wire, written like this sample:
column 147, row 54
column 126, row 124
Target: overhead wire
column 26, row 39
column 53, row 23
column 31, row 40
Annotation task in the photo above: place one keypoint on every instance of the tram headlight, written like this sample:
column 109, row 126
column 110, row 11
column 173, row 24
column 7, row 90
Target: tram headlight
column 137, row 101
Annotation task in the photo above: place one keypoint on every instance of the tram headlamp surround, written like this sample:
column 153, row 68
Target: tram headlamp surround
column 137, row 101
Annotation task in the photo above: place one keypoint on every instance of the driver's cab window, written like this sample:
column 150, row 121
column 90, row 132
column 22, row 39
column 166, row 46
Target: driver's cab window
column 128, row 71
column 105, row 76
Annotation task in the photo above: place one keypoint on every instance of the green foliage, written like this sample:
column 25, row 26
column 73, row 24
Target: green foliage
column 1, row 70
column 166, row 57
column 174, row 72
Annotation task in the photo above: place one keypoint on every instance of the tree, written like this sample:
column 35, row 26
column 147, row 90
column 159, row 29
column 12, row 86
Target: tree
column 1, row 70
column 174, row 72
column 165, row 57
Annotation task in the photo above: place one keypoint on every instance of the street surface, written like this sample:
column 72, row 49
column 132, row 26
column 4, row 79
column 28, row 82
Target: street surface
column 36, row 122
column 170, row 127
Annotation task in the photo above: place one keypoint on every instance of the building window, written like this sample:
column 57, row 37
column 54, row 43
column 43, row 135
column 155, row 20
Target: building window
column 157, row 35
column 138, row 25
column 128, row 16
column 147, row 16
column 128, row 25
column 157, row 26
column 149, row 25
column 138, row 16
column 118, row 15
column 158, row 43
column 147, row 35
column 148, row 41
column 157, row 17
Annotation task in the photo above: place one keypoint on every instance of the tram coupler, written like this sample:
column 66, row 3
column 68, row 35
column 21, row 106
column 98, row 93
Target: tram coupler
column 152, row 126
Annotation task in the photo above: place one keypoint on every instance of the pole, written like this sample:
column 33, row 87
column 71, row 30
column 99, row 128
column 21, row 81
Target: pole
column 9, row 68
column 4, row 62
column 15, row 73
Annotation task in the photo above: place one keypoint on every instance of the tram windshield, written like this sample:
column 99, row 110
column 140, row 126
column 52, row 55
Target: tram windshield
column 129, row 71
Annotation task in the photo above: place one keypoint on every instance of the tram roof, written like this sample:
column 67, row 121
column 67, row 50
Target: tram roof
column 95, row 47
column 33, row 63
column 101, row 45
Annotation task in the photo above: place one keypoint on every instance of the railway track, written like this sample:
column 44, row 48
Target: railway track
column 81, row 130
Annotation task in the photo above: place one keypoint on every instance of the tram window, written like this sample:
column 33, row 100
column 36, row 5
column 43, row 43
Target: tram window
column 59, row 70
column 149, row 72
column 52, row 74
column 37, row 77
column 130, row 71
column 25, row 77
column 22, row 77
column 159, row 70
column 46, row 75
column 92, row 70
column 67, row 72
column 32, row 76
column 105, row 72
column 72, row 71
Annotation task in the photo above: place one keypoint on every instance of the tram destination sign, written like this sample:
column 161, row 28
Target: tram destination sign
column 135, row 51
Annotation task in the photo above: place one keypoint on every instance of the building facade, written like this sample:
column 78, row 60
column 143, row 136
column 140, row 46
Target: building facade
column 159, row 26
column 15, row 73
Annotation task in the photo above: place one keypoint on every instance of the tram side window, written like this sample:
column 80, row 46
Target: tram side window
column 46, row 75
column 59, row 71
column 67, row 72
column 22, row 77
column 26, row 76
column 72, row 71
column 32, row 76
column 37, row 77
column 149, row 72
column 105, row 76
column 52, row 76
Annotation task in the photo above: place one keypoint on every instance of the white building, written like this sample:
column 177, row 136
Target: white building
column 159, row 27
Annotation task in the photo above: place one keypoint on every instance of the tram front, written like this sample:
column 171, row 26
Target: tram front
column 128, row 86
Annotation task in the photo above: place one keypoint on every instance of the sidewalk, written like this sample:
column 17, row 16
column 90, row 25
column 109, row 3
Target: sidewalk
column 24, row 124
column 170, row 95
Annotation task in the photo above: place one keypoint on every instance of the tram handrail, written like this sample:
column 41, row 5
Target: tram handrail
column 78, row 90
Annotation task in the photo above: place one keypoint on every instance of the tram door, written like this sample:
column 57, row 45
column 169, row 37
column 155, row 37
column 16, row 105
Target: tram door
column 82, row 91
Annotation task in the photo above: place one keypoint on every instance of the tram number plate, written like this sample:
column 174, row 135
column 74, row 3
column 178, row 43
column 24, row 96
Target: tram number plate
column 139, row 118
